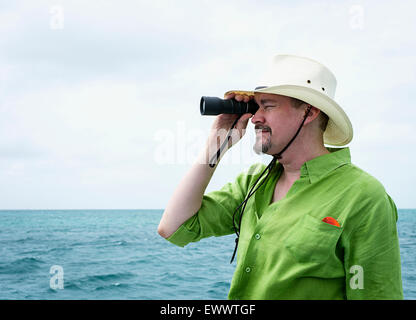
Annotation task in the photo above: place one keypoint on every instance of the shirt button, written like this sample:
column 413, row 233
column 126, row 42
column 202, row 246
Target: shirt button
column 248, row 269
column 257, row 236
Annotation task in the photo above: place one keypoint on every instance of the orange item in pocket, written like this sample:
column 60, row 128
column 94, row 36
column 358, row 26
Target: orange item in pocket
column 331, row 220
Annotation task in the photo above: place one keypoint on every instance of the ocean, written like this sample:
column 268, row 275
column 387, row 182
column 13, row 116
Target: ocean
column 117, row 254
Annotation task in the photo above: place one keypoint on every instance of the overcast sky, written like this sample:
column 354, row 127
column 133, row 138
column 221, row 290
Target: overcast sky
column 99, row 100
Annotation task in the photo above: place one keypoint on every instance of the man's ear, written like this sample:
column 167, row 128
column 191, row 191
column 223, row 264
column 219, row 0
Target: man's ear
column 313, row 113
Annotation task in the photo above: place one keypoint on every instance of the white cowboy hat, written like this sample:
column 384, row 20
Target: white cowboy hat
column 309, row 81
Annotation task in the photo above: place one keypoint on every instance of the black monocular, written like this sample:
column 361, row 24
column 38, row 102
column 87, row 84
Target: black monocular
column 212, row 106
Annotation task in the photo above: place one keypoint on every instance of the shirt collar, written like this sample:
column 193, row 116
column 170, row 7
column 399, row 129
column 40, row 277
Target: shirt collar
column 322, row 165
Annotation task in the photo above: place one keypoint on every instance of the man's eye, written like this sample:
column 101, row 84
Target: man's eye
column 265, row 107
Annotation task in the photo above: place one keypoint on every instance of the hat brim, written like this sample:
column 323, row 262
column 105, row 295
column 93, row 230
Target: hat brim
column 339, row 130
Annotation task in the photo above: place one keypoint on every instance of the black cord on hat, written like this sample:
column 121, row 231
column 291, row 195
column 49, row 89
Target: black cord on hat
column 279, row 155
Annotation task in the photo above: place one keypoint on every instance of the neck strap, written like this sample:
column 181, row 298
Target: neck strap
column 279, row 155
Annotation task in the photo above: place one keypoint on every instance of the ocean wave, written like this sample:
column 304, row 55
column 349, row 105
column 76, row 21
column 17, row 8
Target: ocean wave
column 59, row 249
column 108, row 277
column 69, row 285
column 100, row 243
column 221, row 284
column 17, row 241
column 26, row 239
column 112, row 286
column 121, row 243
column 101, row 282
column 23, row 265
column 32, row 252
column 113, row 243
column 138, row 261
column 171, row 277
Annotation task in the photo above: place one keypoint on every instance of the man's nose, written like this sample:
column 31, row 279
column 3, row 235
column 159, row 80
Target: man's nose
column 258, row 117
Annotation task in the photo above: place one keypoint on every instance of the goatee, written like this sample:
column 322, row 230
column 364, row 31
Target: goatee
column 263, row 139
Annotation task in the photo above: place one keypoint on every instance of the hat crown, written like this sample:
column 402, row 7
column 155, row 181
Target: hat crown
column 299, row 71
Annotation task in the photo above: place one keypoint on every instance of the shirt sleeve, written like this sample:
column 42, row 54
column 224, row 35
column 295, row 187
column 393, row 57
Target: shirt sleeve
column 372, row 260
column 215, row 217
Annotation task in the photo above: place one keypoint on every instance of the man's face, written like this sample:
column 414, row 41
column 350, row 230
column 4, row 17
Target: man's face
column 275, row 122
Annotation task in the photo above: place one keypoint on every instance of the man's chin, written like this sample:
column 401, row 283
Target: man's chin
column 261, row 149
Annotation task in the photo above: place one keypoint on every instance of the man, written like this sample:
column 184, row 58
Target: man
column 318, row 227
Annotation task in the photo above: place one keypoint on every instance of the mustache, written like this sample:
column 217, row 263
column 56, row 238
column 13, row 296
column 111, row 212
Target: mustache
column 262, row 128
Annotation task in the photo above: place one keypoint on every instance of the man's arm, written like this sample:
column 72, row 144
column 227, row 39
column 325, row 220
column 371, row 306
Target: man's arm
column 187, row 198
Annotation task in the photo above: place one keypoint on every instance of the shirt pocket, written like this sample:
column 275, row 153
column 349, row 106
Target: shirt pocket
column 313, row 240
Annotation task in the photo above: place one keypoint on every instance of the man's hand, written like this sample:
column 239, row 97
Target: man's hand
column 222, row 125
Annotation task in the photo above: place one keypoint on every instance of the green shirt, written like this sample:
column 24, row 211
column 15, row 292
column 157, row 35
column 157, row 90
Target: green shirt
column 285, row 249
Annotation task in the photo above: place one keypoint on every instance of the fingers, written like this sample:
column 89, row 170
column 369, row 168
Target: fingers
column 242, row 122
column 245, row 117
column 224, row 121
column 238, row 97
column 230, row 96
